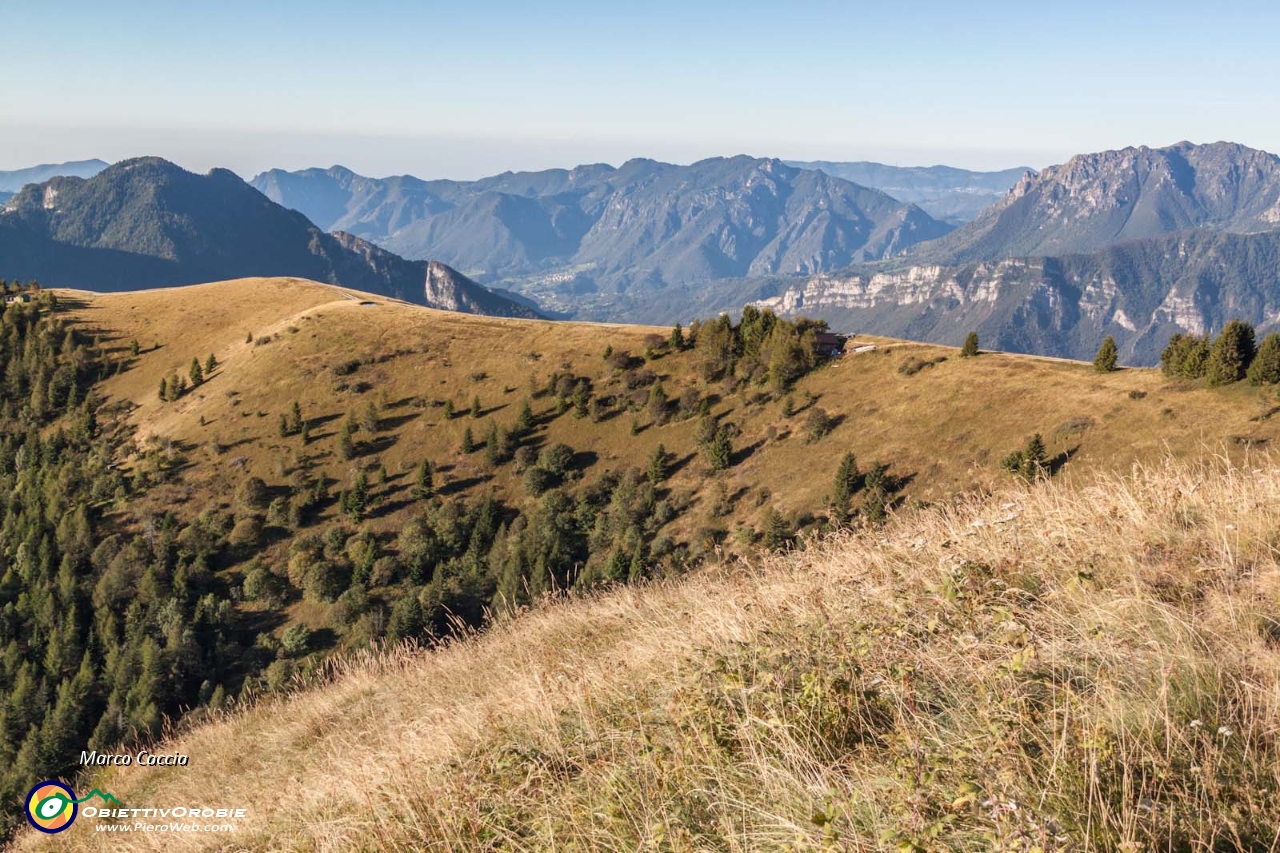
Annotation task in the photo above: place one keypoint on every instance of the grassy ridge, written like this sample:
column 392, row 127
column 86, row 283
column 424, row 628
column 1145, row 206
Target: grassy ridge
column 1057, row 667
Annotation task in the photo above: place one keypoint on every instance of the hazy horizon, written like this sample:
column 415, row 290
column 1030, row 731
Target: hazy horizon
column 460, row 92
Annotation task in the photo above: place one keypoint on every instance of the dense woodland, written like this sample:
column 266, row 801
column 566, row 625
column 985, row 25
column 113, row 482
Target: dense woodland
column 115, row 620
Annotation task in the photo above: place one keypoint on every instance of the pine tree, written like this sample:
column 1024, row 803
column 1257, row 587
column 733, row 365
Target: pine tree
column 658, row 403
column 1035, row 459
column 369, row 421
column 346, row 446
column 524, row 420
column 635, row 572
column 284, row 426
column 776, row 533
column 677, row 338
column 1265, row 369
column 1231, row 354
column 475, row 406
column 720, row 450
column 356, row 501
column 210, row 364
column 492, row 449
column 846, row 483
column 424, row 482
column 468, row 441
column 134, row 349
column 448, row 410
column 295, row 418
column 1105, row 361
column 581, row 397
column 970, row 347
column 658, row 465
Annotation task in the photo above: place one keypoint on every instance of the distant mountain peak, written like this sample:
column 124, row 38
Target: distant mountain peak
column 1107, row 197
column 146, row 222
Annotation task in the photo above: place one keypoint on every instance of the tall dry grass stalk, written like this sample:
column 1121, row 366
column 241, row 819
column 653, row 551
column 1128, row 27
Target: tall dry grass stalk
column 1054, row 668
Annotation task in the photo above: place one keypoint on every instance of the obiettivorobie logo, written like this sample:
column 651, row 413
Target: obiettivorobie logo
column 52, row 807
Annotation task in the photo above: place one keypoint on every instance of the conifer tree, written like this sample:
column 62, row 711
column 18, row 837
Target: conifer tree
column 658, row 403
column 346, row 446
column 581, row 397
column 196, row 372
column 468, row 441
column 1231, row 354
column 424, row 482
column 676, row 341
column 1105, row 360
column 1034, row 459
column 210, row 364
column 845, row 484
column 970, row 347
column 776, row 532
column 720, row 450
column 492, row 450
column 524, row 420
column 657, row 471
column 448, row 410
column 475, row 406
column 1265, row 369
column 295, row 417
column 134, row 349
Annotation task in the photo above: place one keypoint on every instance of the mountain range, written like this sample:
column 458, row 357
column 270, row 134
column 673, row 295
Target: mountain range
column 953, row 195
column 599, row 241
column 16, row 179
column 1138, row 244
column 146, row 223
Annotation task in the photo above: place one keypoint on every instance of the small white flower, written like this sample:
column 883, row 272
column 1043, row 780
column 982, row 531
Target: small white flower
column 1223, row 731
column 1195, row 724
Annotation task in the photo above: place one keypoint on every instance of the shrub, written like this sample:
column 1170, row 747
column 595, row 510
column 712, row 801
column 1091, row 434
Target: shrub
column 538, row 480
column 556, row 458
column 819, row 424
column 970, row 348
column 295, row 640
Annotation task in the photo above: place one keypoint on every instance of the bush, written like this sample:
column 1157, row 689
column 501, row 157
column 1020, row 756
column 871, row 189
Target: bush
column 538, row 480
column 556, row 459
column 263, row 586
column 247, row 532
column 295, row 640
column 970, row 348
column 325, row 580
column 819, row 424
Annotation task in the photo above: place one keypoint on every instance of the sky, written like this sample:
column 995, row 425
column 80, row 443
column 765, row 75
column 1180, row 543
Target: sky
column 466, row 89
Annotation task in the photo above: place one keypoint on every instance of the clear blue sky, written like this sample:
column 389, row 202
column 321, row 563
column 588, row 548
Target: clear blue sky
column 462, row 89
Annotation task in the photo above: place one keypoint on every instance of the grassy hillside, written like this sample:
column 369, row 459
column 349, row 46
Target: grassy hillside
column 1056, row 667
column 943, row 427
column 941, row 424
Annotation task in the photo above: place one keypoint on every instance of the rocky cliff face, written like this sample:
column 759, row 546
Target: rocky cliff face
column 1140, row 293
column 449, row 289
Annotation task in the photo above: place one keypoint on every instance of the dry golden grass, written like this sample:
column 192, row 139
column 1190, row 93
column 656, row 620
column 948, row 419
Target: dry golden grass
column 1068, row 666
column 945, row 428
